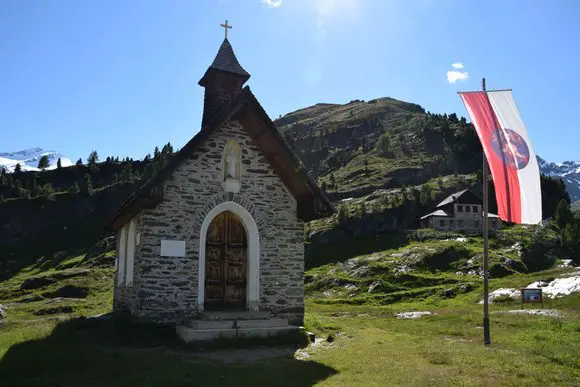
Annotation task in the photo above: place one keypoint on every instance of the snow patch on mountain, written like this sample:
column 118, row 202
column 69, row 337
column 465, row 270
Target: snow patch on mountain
column 28, row 159
column 569, row 171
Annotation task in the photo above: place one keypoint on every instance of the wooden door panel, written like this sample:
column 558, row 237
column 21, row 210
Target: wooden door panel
column 226, row 263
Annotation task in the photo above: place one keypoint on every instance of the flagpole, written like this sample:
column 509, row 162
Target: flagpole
column 486, row 335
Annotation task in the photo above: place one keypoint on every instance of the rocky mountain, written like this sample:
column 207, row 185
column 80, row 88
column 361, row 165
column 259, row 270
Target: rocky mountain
column 568, row 171
column 360, row 147
column 28, row 159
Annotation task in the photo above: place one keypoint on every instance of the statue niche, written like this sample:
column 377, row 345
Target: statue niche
column 231, row 167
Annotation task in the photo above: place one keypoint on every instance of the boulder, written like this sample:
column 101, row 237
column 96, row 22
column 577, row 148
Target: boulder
column 69, row 291
column 373, row 286
column 327, row 236
column 499, row 271
column 514, row 265
column 36, row 282
column 2, row 312
column 54, row 310
column 448, row 293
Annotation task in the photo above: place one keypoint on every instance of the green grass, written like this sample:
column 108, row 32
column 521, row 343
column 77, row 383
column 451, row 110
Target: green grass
column 446, row 348
column 370, row 347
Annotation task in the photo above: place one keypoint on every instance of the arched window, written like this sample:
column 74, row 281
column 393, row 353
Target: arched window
column 131, row 242
column 231, row 167
column 122, row 254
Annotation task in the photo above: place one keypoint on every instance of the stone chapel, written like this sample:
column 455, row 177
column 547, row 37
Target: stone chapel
column 218, row 231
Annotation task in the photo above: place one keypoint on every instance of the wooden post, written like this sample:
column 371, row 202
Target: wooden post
column 486, row 334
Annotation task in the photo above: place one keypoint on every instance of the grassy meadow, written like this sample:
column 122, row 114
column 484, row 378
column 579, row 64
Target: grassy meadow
column 47, row 340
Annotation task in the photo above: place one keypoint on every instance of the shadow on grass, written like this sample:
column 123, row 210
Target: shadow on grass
column 95, row 352
column 322, row 254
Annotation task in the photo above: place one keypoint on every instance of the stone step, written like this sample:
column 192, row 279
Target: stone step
column 229, row 324
column 190, row 334
column 230, row 315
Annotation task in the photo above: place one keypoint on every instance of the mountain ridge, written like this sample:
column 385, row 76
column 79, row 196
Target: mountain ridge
column 568, row 171
column 28, row 159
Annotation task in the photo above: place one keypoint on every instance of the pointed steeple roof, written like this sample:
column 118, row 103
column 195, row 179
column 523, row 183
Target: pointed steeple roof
column 226, row 61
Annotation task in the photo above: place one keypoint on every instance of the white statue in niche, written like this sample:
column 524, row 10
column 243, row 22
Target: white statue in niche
column 231, row 167
column 231, row 164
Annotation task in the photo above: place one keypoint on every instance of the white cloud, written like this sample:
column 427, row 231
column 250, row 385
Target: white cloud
column 454, row 76
column 272, row 3
column 457, row 65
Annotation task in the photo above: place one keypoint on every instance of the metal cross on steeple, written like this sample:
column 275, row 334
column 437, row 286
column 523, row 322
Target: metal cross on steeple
column 226, row 28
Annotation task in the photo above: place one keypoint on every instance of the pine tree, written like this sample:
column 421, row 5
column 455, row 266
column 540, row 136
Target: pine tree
column 384, row 145
column 426, row 194
column 32, row 188
column 86, row 187
column 563, row 215
column 46, row 191
column 341, row 215
column 24, row 193
column 127, row 173
column 58, row 164
column 17, row 168
column 156, row 153
column 362, row 209
column 93, row 158
column 43, row 162
column 386, row 201
column 79, row 161
column 149, row 171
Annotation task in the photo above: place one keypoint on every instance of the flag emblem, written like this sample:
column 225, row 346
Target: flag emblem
column 512, row 151
column 509, row 153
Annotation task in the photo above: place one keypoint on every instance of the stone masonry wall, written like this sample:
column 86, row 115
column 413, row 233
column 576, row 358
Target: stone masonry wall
column 165, row 288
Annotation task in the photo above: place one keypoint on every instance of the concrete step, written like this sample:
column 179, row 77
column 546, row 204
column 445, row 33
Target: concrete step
column 229, row 324
column 230, row 315
column 190, row 334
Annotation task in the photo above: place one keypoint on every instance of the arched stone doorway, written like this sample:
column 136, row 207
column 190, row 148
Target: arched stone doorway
column 215, row 240
column 226, row 251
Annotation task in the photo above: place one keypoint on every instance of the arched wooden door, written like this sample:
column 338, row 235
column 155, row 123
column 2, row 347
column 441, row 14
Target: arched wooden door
column 226, row 263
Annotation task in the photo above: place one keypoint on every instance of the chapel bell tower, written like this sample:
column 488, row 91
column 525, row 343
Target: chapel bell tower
column 223, row 80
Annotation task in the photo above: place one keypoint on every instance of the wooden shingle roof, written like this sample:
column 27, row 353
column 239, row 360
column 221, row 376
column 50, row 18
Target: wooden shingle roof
column 226, row 60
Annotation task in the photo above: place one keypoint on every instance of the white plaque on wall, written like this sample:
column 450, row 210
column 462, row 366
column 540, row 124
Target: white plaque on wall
column 172, row 248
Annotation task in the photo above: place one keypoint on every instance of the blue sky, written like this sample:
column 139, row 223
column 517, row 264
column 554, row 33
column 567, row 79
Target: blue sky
column 121, row 76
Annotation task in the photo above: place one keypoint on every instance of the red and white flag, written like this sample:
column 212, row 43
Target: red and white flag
column 509, row 153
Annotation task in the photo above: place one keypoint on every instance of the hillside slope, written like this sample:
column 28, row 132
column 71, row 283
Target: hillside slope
column 356, row 148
